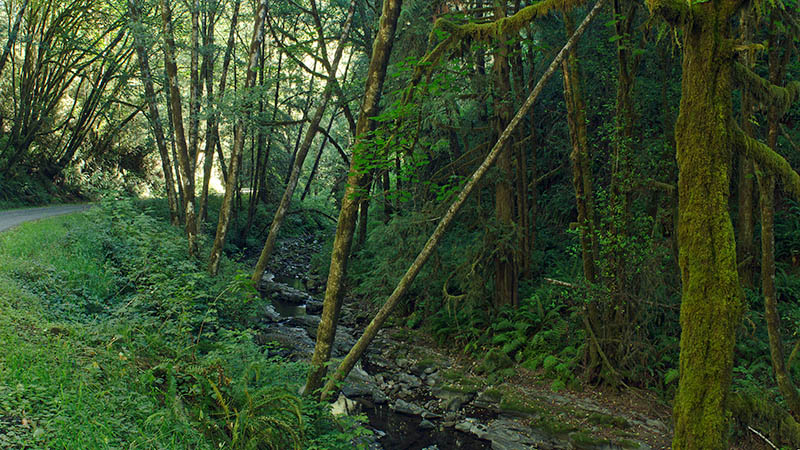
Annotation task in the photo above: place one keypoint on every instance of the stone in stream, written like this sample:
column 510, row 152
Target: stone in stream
column 452, row 400
column 404, row 407
column 294, row 340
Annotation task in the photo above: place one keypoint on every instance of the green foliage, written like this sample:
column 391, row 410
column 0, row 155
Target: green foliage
column 111, row 337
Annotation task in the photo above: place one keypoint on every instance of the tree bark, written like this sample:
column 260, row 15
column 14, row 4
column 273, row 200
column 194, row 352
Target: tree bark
column 745, row 243
column 311, row 132
column 506, row 270
column 371, row 331
column 345, row 227
column 231, row 184
column 711, row 304
column 177, row 123
column 152, row 104
column 766, row 188
column 12, row 35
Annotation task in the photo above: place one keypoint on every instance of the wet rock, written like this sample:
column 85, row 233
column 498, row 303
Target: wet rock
column 426, row 424
column 270, row 315
column 452, row 400
column 488, row 399
column 294, row 340
column 343, row 406
column 472, row 426
column 409, row 380
column 506, row 434
column 404, row 407
column 313, row 306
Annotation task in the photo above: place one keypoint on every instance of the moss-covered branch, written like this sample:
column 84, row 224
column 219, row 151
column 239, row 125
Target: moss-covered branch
column 766, row 93
column 506, row 27
column 768, row 160
column 675, row 12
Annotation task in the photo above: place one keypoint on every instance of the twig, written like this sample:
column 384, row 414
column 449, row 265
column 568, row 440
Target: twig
column 762, row 437
column 560, row 283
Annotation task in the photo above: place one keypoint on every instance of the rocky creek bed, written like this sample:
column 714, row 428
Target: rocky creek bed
column 416, row 397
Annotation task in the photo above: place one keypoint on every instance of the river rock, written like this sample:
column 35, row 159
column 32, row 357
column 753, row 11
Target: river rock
column 452, row 400
column 507, row 434
column 404, row 407
column 313, row 306
column 409, row 380
column 426, row 424
column 294, row 340
column 270, row 315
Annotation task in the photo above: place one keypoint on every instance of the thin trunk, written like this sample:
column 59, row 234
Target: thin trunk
column 345, row 227
column 506, row 270
column 766, row 188
column 12, row 35
column 155, row 119
column 377, row 322
column 209, row 60
column 231, row 184
column 294, row 176
column 318, row 158
column 257, row 180
column 177, row 123
column 745, row 236
column 195, row 87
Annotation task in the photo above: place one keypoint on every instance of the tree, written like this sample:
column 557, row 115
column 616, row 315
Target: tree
column 176, row 108
column 405, row 282
column 345, row 226
column 706, row 136
column 238, row 142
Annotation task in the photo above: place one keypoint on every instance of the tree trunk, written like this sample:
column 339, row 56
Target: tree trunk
column 711, row 305
column 766, row 187
column 345, row 227
column 177, row 123
column 12, row 35
column 209, row 60
column 506, row 270
column 377, row 322
column 294, row 176
column 745, row 237
column 195, row 86
column 231, row 184
column 155, row 119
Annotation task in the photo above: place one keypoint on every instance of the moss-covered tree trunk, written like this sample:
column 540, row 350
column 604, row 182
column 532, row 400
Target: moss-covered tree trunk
column 345, row 226
column 745, row 236
column 711, row 297
column 779, row 58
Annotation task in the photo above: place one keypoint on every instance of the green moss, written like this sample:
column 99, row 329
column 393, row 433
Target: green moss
column 507, row 27
column 460, row 382
column 554, row 426
column 607, row 419
column 627, row 443
column 517, row 404
column 583, row 440
column 494, row 361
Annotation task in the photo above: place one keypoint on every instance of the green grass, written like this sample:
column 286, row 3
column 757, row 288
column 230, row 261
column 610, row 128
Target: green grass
column 110, row 337
column 66, row 385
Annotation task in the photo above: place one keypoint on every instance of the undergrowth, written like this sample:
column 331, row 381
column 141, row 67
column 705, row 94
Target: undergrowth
column 110, row 337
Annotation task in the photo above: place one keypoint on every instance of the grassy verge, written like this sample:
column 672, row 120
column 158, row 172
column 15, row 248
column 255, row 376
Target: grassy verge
column 111, row 338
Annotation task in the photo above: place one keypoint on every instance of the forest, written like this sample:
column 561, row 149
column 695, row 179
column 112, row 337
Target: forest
column 399, row 224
